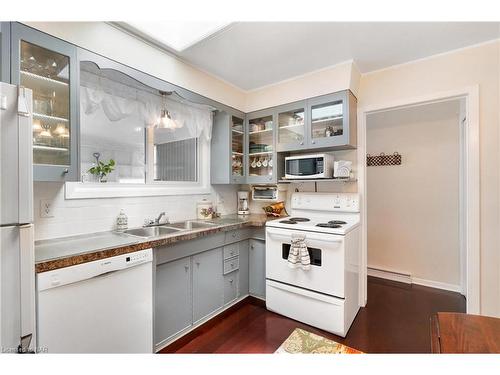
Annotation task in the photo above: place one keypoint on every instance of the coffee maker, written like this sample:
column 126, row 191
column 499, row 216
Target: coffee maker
column 243, row 200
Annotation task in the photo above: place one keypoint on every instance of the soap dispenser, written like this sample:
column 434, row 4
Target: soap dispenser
column 122, row 221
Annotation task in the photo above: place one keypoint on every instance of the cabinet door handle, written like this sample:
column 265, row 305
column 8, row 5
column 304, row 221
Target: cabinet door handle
column 231, row 281
column 232, row 264
column 186, row 268
column 198, row 264
column 232, row 253
column 301, row 143
column 313, row 142
column 65, row 171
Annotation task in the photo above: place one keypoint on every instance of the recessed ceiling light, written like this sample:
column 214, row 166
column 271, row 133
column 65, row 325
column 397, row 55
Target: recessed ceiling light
column 177, row 35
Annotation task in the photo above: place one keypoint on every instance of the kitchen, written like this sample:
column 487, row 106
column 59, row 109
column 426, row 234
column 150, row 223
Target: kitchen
column 150, row 210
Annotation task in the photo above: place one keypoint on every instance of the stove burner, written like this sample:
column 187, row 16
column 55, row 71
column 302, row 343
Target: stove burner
column 328, row 225
column 299, row 219
column 336, row 222
column 288, row 222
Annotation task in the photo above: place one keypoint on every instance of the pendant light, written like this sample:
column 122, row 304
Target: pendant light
column 166, row 120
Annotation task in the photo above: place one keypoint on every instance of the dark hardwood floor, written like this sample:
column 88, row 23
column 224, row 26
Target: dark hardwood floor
column 396, row 319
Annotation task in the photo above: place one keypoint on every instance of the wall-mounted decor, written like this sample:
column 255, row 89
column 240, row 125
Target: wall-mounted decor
column 383, row 159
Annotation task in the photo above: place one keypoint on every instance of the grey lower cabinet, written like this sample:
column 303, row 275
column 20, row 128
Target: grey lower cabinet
column 243, row 281
column 173, row 302
column 208, row 283
column 197, row 286
column 257, row 268
column 231, row 287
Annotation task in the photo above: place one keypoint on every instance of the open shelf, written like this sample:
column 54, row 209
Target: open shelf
column 49, row 118
column 260, row 131
column 42, row 78
column 50, row 148
column 260, row 153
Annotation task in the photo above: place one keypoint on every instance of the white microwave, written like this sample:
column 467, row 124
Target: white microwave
column 309, row 166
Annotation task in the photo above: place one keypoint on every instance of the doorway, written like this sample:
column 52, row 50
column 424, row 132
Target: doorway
column 463, row 269
column 413, row 200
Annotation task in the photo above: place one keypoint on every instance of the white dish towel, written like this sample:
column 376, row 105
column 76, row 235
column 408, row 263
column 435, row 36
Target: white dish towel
column 299, row 256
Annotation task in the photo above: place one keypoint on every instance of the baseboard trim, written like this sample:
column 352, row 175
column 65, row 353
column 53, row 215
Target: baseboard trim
column 437, row 285
column 390, row 275
column 409, row 279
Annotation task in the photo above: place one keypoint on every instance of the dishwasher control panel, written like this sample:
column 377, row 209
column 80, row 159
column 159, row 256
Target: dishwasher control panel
column 139, row 257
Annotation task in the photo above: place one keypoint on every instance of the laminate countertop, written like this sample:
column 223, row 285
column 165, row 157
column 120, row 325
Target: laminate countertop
column 70, row 251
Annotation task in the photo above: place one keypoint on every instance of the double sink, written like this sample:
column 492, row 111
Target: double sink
column 162, row 230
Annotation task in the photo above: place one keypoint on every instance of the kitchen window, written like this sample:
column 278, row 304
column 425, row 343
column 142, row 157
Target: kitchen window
column 160, row 143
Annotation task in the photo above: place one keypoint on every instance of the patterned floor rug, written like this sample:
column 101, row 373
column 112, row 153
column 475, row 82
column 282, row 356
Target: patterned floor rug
column 303, row 342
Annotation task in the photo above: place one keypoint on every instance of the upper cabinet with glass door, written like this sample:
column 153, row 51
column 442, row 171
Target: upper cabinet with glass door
column 46, row 66
column 237, row 149
column 228, row 148
column 332, row 121
column 292, row 132
column 261, row 152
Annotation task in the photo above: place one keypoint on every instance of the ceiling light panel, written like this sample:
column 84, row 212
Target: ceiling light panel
column 177, row 35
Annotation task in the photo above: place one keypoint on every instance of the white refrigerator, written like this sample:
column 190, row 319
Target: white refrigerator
column 17, row 263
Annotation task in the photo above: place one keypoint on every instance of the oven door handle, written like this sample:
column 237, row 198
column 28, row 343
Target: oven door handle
column 309, row 236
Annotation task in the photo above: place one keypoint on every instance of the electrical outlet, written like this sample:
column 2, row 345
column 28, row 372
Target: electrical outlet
column 46, row 208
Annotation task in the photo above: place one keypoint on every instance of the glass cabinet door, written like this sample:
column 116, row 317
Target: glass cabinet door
column 327, row 115
column 291, row 127
column 46, row 65
column 47, row 74
column 237, row 147
column 260, row 148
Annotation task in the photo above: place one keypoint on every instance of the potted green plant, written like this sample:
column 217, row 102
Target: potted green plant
column 101, row 170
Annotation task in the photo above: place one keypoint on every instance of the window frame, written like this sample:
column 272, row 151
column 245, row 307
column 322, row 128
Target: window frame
column 85, row 190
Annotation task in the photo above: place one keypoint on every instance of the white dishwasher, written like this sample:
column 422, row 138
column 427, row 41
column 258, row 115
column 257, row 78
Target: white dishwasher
column 104, row 306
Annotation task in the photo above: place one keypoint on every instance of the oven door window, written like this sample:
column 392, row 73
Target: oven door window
column 314, row 254
column 304, row 167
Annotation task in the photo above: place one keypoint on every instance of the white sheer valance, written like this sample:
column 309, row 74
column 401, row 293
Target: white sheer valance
column 120, row 100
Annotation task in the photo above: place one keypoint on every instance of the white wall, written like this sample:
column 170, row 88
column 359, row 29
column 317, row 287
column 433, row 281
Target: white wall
column 80, row 216
column 413, row 208
column 478, row 65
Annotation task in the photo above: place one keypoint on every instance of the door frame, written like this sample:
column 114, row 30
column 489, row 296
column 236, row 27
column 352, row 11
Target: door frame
column 471, row 191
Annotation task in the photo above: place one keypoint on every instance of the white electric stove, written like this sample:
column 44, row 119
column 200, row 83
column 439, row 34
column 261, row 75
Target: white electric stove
column 326, row 295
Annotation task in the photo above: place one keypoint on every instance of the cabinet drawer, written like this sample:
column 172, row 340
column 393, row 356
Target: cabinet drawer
column 230, row 287
column 237, row 235
column 231, row 251
column 231, row 265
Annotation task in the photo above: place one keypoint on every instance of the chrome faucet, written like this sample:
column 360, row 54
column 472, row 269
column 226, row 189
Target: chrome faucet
column 155, row 222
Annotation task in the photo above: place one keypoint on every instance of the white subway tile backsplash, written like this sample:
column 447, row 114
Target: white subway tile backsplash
column 80, row 216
